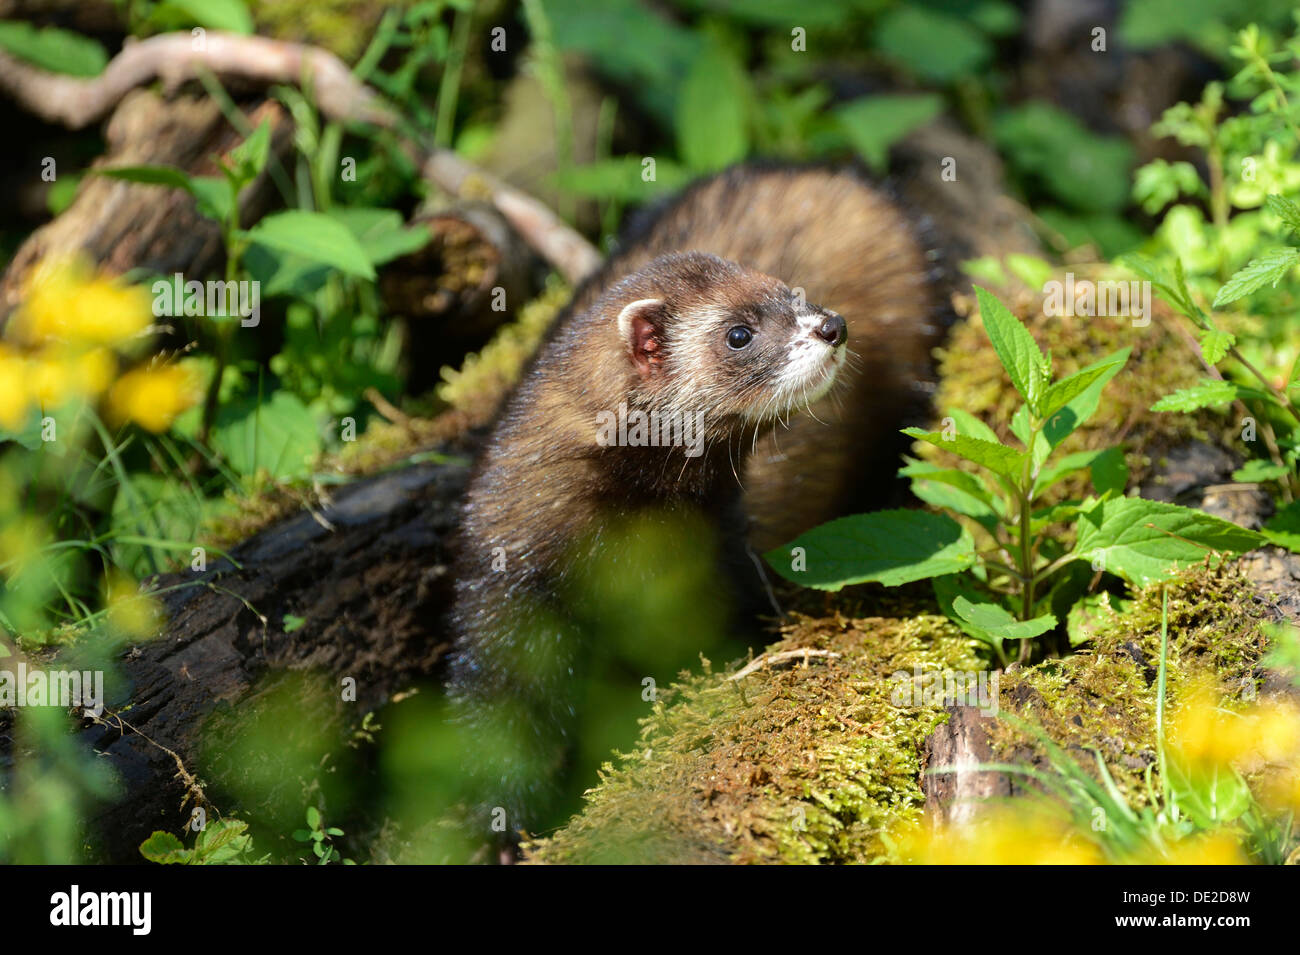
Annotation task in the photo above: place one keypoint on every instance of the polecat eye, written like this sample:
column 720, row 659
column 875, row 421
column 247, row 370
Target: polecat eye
column 739, row 337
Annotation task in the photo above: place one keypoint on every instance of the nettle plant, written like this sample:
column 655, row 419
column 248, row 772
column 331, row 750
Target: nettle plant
column 1234, row 261
column 1004, row 570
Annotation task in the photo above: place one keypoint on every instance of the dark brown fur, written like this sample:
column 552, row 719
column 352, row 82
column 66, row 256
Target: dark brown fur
column 543, row 487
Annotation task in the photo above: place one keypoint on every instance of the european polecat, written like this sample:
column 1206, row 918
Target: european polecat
column 692, row 375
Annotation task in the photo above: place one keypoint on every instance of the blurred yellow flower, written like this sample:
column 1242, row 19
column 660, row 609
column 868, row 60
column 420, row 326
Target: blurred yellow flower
column 153, row 397
column 1205, row 737
column 1026, row 835
column 64, row 301
column 15, row 396
column 1213, row 848
column 1279, row 790
column 132, row 614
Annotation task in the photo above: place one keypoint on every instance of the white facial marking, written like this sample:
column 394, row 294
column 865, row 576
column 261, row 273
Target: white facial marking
column 810, row 367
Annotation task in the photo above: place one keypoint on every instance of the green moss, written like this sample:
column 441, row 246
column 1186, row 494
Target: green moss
column 1104, row 696
column 816, row 764
column 789, row 764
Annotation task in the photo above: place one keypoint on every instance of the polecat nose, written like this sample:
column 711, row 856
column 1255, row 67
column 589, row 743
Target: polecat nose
column 833, row 331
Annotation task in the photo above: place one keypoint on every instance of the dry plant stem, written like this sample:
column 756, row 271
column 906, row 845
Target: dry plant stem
column 776, row 659
column 175, row 58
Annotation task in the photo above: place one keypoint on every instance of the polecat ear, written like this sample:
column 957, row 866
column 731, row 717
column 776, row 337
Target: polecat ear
column 641, row 325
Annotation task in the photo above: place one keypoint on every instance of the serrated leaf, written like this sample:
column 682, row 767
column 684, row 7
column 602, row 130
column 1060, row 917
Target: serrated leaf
column 1061, row 393
column 1268, row 269
column 972, row 426
column 1286, row 210
column 998, row 458
column 1258, row 469
column 1208, row 393
column 1015, row 347
column 165, row 849
column 995, row 620
column 1215, row 345
column 1147, row 541
column 888, row 547
column 315, row 236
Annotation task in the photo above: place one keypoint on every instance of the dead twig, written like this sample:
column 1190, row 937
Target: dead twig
column 174, row 58
column 777, row 659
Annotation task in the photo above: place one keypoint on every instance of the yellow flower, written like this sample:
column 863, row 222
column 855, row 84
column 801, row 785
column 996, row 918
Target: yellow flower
column 1024, row 835
column 1279, row 790
column 64, row 301
column 131, row 613
column 1214, row 848
column 152, row 397
column 15, row 395
column 1206, row 737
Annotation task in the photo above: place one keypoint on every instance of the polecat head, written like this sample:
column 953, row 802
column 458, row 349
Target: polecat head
column 702, row 334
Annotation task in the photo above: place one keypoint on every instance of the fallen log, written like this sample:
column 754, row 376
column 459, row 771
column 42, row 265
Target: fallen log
column 366, row 575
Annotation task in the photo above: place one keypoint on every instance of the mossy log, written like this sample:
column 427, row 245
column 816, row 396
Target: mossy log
column 365, row 573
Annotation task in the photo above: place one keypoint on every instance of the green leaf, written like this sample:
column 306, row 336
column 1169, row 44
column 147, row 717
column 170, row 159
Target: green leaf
column 1147, row 541
column 313, row 817
column 621, row 178
column 998, row 458
column 1208, row 393
column 889, row 547
column 1286, row 210
column 292, row 623
column 995, row 620
column 1061, row 393
column 212, row 194
column 1215, row 345
column 712, row 125
column 874, row 123
column 59, row 51
column 1268, row 269
column 1283, row 528
column 249, row 157
column 165, row 849
column 277, row 435
column 952, row 489
column 1109, row 472
column 229, row 15
column 1259, row 469
column 934, row 46
column 315, row 236
column 1283, row 648
column 382, row 233
column 947, row 589
column 1015, row 347
column 972, row 426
